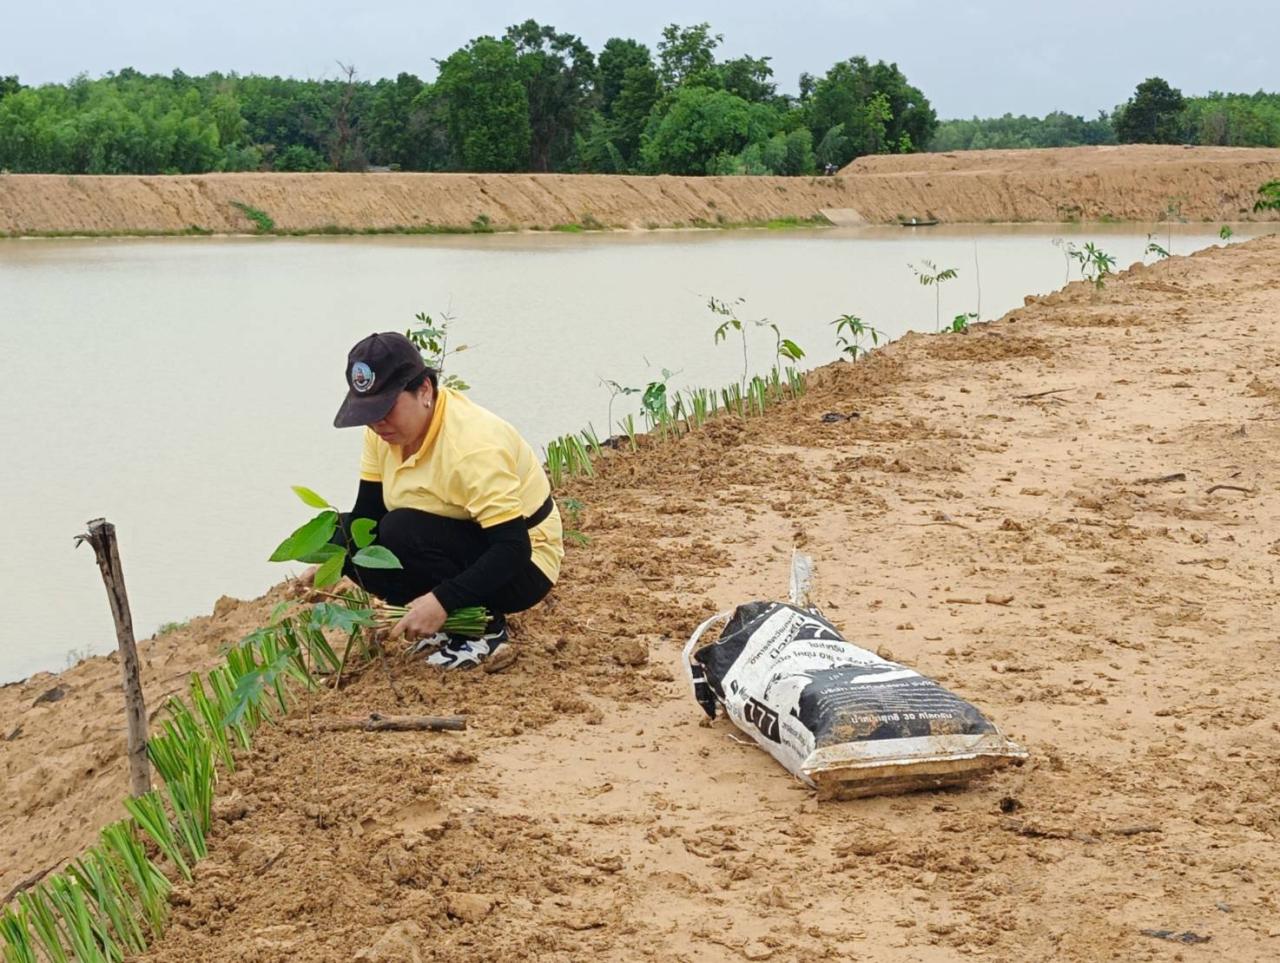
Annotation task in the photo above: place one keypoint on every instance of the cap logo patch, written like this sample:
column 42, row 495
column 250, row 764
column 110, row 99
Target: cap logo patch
column 362, row 377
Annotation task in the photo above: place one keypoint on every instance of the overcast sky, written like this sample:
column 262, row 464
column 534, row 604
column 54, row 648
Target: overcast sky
column 982, row 57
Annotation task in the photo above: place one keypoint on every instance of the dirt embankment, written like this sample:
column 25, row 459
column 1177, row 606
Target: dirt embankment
column 1129, row 183
column 1105, row 464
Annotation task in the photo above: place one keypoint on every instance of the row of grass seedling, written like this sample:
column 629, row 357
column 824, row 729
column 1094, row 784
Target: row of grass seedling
column 571, row 455
column 113, row 900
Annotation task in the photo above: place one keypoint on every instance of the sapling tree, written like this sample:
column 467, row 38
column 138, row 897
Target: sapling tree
column 729, row 311
column 312, row 542
column 850, row 330
column 784, row 349
column 1068, row 250
column 1226, row 233
column 1153, row 247
column 930, row 275
column 1095, row 265
column 615, row 390
column 432, row 340
column 960, row 323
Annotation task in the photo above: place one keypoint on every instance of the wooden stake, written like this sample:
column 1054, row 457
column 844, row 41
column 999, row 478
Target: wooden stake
column 102, row 536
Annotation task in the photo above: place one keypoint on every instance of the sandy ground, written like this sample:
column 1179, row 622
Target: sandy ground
column 1126, row 183
column 590, row 813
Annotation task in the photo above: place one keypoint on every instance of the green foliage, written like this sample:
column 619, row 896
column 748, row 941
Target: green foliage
column 1268, row 197
column 1153, row 247
column 686, row 55
column 1153, row 115
column 558, row 72
column 487, row 106
column 960, row 323
column 1225, row 232
column 863, row 108
column 930, row 275
column 432, row 340
column 565, row 457
column 299, row 158
column 1095, row 264
column 572, row 509
column 697, row 126
column 1055, row 129
column 850, row 332
column 261, row 219
column 312, row 543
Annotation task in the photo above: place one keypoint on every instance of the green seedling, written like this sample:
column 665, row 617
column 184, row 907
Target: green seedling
column 628, row 426
column 99, row 876
column 312, row 543
column 850, row 332
column 149, row 813
column 15, row 934
column 150, row 886
column 431, row 339
column 573, row 522
column 960, row 323
column 1095, row 265
column 90, row 940
column 40, row 911
column 930, row 275
column 1226, row 233
column 1154, row 248
column 615, row 390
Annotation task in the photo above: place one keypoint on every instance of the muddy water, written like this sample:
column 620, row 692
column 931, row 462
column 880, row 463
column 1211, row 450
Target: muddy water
column 180, row 387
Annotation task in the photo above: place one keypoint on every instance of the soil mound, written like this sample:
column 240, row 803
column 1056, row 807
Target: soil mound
column 1045, row 531
column 1126, row 183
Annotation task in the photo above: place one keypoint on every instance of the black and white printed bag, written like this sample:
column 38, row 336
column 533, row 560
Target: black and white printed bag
column 837, row 716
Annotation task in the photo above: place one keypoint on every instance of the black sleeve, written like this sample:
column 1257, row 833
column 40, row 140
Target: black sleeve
column 369, row 503
column 508, row 549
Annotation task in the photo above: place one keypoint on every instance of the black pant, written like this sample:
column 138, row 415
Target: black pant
column 433, row 548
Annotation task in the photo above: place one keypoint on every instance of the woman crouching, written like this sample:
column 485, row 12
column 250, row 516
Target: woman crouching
column 458, row 496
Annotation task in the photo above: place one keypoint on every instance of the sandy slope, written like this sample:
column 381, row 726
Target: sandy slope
column 588, row 813
column 1127, row 183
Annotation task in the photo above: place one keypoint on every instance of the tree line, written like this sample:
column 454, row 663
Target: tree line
column 533, row 99
column 537, row 99
column 1156, row 114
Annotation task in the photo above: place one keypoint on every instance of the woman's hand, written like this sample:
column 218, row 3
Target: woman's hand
column 425, row 617
column 304, row 583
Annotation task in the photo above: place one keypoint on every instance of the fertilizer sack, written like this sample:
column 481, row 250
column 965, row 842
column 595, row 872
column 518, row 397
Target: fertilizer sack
column 838, row 717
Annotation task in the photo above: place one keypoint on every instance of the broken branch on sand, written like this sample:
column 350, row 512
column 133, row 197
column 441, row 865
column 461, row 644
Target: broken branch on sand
column 376, row 722
column 1229, row 488
column 1042, row 394
column 1162, row 479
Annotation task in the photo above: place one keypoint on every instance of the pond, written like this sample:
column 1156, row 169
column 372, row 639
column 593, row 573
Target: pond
column 179, row 387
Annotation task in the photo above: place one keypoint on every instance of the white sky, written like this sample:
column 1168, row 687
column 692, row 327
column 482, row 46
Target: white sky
column 981, row 57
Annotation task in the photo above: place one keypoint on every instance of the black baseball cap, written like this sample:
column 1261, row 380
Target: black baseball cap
column 378, row 369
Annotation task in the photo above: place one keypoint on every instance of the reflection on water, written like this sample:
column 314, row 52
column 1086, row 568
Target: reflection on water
column 179, row 387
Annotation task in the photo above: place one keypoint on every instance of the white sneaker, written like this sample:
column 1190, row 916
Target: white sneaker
column 429, row 642
column 461, row 653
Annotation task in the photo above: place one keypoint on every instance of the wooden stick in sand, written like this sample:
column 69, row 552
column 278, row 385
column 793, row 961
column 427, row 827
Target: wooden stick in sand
column 102, row 536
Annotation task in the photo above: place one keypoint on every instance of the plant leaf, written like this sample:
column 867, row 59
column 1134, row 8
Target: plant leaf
column 307, row 539
column 376, row 556
column 362, row 531
column 791, row 349
column 309, row 497
column 330, row 571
